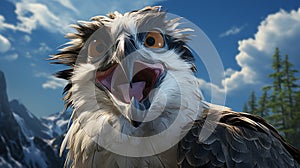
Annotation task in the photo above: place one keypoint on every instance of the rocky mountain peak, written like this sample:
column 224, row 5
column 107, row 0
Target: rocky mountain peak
column 26, row 140
column 4, row 104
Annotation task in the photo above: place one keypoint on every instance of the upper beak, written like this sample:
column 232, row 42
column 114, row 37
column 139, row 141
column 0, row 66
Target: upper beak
column 128, row 49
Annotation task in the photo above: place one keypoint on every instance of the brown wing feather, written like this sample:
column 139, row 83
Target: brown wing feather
column 238, row 140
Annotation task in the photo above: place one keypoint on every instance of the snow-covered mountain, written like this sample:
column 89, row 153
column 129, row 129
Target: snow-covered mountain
column 26, row 140
column 57, row 123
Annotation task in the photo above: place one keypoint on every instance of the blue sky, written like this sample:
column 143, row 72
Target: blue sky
column 245, row 34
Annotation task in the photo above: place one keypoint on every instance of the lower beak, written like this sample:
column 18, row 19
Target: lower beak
column 136, row 113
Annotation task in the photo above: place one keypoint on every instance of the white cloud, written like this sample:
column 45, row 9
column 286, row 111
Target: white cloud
column 27, row 38
column 68, row 4
column 232, row 31
column 41, row 74
column 54, row 83
column 28, row 55
column 31, row 15
column 4, row 44
column 4, row 25
column 43, row 48
column 55, row 16
column 11, row 57
column 209, row 87
column 229, row 72
column 282, row 30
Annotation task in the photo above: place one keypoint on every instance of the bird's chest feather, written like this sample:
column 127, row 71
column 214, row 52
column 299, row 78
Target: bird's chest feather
column 107, row 159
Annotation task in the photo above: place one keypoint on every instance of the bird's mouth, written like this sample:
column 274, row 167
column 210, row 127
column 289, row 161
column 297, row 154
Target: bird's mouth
column 145, row 77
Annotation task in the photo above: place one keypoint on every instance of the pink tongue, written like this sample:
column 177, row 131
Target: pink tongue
column 136, row 91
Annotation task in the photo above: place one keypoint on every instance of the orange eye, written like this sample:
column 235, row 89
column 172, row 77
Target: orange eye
column 154, row 39
column 96, row 48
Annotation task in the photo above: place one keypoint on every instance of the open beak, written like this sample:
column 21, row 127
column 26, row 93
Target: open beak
column 130, row 83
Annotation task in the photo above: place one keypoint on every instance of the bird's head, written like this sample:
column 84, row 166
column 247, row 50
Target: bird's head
column 133, row 69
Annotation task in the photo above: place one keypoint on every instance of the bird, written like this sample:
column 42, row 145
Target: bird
column 136, row 101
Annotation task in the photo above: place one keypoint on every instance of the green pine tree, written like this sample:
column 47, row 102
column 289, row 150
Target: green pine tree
column 290, row 88
column 276, row 103
column 252, row 104
column 262, row 104
column 280, row 101
column 289, row 85
column 245, row 108
column 296, row 120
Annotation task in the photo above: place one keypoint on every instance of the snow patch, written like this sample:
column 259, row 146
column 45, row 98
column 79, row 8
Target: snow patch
column 62, row 123
column 22, row 125
column 4, row 164
column 33, row 156
column 12, row 160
